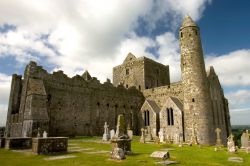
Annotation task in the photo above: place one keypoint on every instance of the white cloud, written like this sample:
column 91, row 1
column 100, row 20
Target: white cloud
column 239, row 98
column 240, row 116
column 233, row 68
column 5, row 90
column 83, row 32
column 90, row 34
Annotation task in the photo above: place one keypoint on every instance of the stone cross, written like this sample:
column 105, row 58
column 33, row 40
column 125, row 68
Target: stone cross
column 142, row 140
column 106, row 132
column 218, row 139
column 106, row 128
column 45, row 134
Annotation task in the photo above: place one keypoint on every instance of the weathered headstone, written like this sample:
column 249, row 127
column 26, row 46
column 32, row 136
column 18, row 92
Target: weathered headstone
column 142, row 139
column 45, row 134
column 218, row 139
column 244, row 140
column 161, row 135
column 160, row 154
column 230, row 144
column 118, row 154
column 148, row 136
column 130, row 134
column 112, row 133
column 121, row 143
column 106, row 135
column 38, row 133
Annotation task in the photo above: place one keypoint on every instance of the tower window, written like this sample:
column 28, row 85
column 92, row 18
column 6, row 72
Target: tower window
column 181, row 34
column 139, row 87
column 127, row 71
column 126, row 85
column 193, row 100
column 196, row 32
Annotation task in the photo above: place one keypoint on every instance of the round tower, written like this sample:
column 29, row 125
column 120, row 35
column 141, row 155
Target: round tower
column 198, row 126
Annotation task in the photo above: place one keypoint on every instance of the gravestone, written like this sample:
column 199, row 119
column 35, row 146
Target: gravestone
column 230, row 144
column 161, row 136
column 160, row 154
column 118, row 154
column 142, row 139
column 218, row 139
column 244, row 140
column 38, row 133
column 112, row 133
column 45, row 134
column 148, row 135
column 106, row 135
column 121, row 143
column 130, row 134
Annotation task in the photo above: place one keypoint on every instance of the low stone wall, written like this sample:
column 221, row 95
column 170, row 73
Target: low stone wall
column 2, row 142
column 18, row 143
column 49, row 145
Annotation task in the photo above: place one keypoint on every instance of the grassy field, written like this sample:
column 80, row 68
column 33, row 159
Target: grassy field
column 89, row 151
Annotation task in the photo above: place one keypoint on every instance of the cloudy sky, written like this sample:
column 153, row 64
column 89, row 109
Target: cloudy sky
column 96, row 35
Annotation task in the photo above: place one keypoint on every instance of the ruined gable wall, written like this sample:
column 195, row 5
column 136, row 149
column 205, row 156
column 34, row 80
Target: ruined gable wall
column 134, row 76
column 160, row 94
column 14, row 124
column 219, row 107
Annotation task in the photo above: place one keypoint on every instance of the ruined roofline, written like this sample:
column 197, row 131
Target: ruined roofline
column 58, row 77
column 141, row 58
column 40, row 72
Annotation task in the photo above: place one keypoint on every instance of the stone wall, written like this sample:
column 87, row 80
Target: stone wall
column 160, row 94
column 74, row 106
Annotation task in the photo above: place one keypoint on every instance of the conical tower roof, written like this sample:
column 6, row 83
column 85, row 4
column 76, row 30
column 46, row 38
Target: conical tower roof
column 187, row 22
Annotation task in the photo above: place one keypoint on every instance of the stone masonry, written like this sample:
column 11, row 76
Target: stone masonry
column 188, row 110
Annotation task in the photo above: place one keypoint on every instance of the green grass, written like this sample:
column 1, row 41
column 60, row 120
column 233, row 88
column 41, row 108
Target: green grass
column 194, row 155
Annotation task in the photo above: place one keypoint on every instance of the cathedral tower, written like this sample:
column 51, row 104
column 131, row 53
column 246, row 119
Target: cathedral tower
column 197, row 101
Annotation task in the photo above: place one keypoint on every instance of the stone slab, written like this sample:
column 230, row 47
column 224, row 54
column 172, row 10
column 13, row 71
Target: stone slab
column 49, row 145
column 160, row 154
column 59, row 157
column 235, row 159
column 18, row 143
column 167, row 162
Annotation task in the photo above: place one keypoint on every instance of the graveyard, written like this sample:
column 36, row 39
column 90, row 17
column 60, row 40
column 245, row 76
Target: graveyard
column 93, row 151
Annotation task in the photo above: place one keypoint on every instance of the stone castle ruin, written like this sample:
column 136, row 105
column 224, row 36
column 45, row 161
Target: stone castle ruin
column 186, row 111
